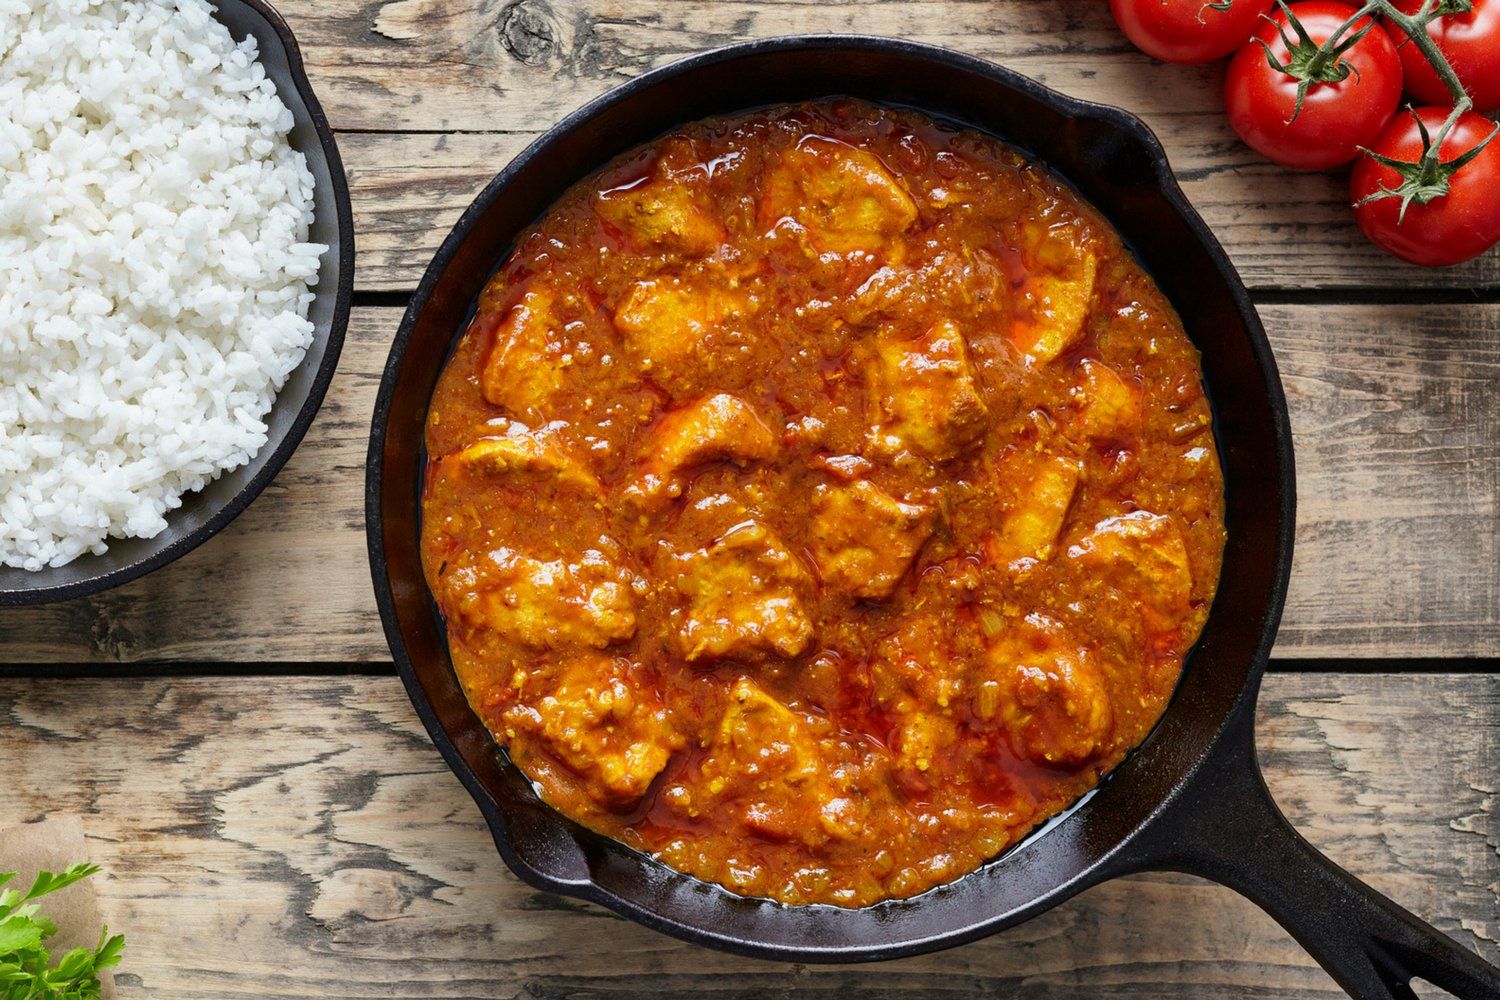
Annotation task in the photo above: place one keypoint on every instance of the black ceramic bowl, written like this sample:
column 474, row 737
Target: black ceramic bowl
column 204, row 513
column 1190, row 799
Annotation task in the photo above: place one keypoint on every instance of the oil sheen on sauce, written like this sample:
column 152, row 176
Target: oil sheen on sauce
column 821, row 499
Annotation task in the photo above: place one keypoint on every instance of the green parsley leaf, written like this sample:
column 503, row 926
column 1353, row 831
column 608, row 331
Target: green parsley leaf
column 26, row 968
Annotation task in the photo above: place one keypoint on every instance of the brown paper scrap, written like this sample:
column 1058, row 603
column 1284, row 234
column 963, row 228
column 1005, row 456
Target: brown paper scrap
column 52, row 845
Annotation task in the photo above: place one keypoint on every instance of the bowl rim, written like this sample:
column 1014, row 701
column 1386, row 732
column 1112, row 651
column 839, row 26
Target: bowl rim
column 278, row 455
column 1109, row 863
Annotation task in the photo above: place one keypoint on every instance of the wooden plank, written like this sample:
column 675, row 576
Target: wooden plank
column 514, row 69
column 311, row 843
column 1398, row 438
column 1397, row 430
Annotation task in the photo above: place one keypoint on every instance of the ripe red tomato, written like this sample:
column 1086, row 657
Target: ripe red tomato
column 1188, row 31
column 1471, row 43
column 1337, row 116
column 1451, row 227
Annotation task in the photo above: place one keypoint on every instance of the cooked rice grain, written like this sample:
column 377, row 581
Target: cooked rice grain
column 156, row 269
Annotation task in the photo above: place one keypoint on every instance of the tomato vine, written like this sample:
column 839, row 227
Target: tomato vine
column 1314, row 84
column 1429, row 177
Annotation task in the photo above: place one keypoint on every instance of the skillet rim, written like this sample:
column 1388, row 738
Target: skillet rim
column 1108, row 863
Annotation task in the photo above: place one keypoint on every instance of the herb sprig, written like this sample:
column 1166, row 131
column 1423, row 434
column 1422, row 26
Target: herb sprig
column 26, row 969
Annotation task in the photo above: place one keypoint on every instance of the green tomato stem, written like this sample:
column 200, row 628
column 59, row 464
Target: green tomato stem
column 1330, row 49
column 1415, row 27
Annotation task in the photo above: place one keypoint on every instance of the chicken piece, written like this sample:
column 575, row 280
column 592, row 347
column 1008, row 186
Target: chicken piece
column 917, row 665
column 923, row 394
column 917, row 680
column 664, row 213
column 864, row 539
column 520, row 453
column 1142, row 555
column 1108, row 406
column 1054, row 306
column 922, row 740
column 602, row 722
column 968, row 282
column 763, row 746
column 1035, row 519
column 716, row 428
column 760, row 737
column 671, row 208
column 665, row 320
column 1047, row 693
column 921, row 664
column 527, row 358
column 551, row 604
column 744, row 598
column 844, row 196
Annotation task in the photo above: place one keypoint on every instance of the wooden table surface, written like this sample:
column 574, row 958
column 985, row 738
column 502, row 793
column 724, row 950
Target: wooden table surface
column 276, row 822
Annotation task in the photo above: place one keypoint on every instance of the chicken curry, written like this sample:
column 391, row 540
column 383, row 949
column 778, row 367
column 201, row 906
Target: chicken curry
column 820, row 499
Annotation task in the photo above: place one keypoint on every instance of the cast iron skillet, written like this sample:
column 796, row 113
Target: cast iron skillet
column 205, row 513
column 1191, row 799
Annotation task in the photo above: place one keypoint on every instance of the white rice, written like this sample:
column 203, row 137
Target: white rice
column 154, row 269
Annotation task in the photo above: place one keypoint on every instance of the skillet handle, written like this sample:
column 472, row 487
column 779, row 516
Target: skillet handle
column 1225, row 826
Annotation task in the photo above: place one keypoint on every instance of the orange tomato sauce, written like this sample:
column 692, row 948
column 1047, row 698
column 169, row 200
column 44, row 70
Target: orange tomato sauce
column 820, row 499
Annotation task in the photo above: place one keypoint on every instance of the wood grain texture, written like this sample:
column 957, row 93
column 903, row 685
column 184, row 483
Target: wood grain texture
column 509, row 69
column 299, row 837
column 1397, row 427
column 302, row 838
